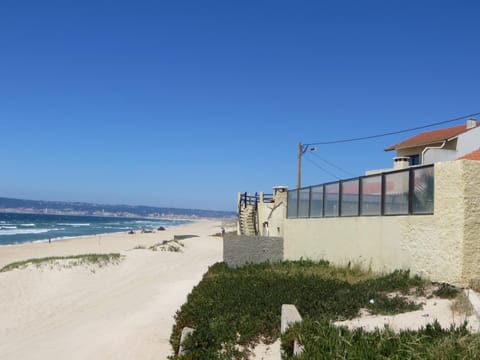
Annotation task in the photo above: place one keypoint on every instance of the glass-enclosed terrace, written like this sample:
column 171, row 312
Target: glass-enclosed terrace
column 402, row 192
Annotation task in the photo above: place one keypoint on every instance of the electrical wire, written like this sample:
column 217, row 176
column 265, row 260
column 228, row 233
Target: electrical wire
column 333, row 165
column 322, row 168
column 393, row 132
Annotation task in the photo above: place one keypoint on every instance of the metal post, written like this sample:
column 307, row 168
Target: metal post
column 382, row 196
column 411, row 190
column 299, row 165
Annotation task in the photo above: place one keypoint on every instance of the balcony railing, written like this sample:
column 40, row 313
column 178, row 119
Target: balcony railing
column 402, row 192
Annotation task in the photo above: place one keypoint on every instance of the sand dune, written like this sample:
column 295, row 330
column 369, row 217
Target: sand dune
column 122, row 311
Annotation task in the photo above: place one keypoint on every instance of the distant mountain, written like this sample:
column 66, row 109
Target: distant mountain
column 79, row 208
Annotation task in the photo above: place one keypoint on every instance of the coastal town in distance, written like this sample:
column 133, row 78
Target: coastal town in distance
column 10, row 205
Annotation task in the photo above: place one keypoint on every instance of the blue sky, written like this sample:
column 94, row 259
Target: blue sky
column 186, row 103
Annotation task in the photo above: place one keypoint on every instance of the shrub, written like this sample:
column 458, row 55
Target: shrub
column 446, row 291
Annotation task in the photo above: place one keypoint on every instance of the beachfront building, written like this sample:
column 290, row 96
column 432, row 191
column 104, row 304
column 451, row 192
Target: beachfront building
column 262, row 214
column 422, row 216
column 429, row 147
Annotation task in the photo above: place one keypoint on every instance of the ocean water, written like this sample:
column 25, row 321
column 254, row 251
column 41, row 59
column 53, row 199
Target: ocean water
column 21, row 228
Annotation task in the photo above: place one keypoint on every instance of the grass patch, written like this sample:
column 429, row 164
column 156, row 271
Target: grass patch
column 171, row 245
column 242, row 306
column 75, row 260
column 322, row 340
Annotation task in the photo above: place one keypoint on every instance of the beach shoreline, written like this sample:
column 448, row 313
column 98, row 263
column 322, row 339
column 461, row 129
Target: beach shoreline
column 117, row 241
column 64, row 238
column 122, row 310
column 27, row 228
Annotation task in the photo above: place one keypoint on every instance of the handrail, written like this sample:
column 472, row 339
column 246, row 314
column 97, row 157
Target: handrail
column 250, row 200
column 247, row 199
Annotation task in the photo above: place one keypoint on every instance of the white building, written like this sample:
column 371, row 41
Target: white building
column 438, row 145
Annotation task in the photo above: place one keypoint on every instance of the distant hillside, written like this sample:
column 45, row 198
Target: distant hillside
column 78, row 208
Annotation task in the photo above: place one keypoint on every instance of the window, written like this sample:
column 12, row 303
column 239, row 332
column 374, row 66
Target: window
column 371, row 201
column 349, row 198
column 396, row 193
column 423, row 191
column 304, row 202
column 332, row 199
column 292, row 203
column 316, row 206
column 414, row 160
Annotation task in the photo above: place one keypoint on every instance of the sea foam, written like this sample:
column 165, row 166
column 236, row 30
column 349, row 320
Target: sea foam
column 24, row 231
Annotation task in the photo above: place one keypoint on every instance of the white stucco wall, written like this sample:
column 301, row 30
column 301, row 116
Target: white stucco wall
column 435, row 155
column 443, row 247
column 274, row 213
column 468, row 142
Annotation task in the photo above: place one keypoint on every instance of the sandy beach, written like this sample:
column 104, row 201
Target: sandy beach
column 119, row 311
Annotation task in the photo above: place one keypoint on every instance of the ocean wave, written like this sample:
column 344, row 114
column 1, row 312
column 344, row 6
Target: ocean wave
column 24, row 231
column 7, row 227
column 74, row 224
column 27, row 225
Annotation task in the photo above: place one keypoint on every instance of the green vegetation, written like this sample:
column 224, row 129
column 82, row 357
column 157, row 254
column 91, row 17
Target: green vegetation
column 446, row 291
column 171, row 245
column 322, row 340
column 241, row 306
column 75, row 260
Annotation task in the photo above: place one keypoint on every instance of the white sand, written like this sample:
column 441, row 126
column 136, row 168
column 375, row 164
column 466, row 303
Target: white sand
column 434, row 309
column 122, row 311
column 263, row 351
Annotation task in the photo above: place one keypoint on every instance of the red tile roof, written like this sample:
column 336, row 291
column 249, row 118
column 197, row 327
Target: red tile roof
column 430, row 137
column 474, row 155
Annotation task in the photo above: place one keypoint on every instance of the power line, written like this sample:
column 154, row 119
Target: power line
column 333, row 165
column 322, row 168
column 393, row 132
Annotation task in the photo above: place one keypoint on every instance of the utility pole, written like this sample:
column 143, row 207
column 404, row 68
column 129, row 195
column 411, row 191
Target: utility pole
column 299, row 165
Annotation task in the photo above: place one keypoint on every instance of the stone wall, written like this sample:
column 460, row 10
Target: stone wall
column 471, row 221
column 240, row 249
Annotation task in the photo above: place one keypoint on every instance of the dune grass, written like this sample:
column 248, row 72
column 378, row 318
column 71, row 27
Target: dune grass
column 99, row 260
column 174, row 245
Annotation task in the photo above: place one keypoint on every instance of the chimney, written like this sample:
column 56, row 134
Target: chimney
column 471, row 123
column 401, row 162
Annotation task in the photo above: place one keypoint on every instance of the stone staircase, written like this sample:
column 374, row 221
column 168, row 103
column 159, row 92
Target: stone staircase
column 247, row 220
